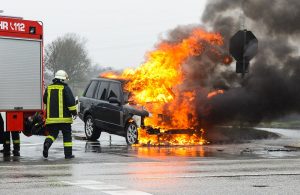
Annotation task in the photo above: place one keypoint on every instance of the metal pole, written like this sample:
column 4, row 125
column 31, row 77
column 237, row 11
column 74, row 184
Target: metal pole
column 245, row 34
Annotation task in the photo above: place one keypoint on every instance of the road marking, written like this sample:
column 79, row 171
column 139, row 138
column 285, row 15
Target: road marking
column 126, row 192
column 82, row 182
column 105, row 188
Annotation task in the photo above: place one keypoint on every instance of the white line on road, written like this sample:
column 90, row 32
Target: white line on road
column 126, row 192
column 105, row 188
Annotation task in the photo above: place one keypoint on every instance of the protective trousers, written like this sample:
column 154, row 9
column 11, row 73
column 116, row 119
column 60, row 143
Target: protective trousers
column 67, row 137
column 16, row 142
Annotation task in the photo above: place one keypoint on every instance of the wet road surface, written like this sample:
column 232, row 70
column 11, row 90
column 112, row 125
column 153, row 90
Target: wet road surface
column 104, row 167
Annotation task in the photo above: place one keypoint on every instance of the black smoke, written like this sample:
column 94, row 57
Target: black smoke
column 272, row 87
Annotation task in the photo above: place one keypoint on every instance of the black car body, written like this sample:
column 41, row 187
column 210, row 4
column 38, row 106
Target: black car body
column 104, row 107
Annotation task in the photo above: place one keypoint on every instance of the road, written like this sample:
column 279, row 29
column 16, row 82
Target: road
column 104, row 167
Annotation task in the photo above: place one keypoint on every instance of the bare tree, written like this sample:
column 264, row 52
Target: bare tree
column 68, row 53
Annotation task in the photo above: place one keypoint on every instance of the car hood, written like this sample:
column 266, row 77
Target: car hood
column 136, row 111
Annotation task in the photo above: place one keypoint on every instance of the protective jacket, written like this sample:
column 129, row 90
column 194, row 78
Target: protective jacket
column 60, row 103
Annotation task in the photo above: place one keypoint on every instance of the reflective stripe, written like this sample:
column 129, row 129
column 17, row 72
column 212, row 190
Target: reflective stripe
column 68, row 144
column 51, row 137
column 7, row 142
column 56, row 87
column 60, row 103
column 60, row 99
column 58, row 120
column 71, row 108
column 48, row 102
column 16, row 141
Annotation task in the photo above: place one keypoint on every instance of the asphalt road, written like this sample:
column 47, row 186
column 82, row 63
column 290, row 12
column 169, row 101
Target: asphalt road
column 110, row 167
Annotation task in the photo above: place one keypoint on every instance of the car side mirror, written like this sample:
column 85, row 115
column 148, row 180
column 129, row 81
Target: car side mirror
column 114, row 100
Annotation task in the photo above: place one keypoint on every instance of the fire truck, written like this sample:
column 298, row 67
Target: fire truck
column 21, row 70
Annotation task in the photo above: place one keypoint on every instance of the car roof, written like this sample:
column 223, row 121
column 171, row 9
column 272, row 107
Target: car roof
column 109, row 80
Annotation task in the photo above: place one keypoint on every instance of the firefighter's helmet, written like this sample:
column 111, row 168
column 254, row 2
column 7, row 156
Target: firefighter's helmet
column 61, row 74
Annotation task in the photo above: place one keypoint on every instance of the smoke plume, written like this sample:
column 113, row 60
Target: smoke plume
column 272, row 87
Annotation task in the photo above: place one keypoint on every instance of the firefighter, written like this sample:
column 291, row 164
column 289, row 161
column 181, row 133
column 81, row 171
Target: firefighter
column 61, row 110
column 6, row 140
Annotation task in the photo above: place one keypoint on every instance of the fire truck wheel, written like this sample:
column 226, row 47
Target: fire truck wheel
column 91, row 132
column 131, row 133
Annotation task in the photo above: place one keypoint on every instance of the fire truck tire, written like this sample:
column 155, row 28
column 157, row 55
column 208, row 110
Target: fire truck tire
column 92, row 133
column 131, row 133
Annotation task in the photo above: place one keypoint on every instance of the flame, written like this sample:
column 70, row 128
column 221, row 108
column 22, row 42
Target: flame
column 109, row 75
column 156, row 85
column 227, row 60
column 171, row 139
column 214, row 93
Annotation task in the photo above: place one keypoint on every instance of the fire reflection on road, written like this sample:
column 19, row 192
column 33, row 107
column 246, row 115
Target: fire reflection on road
column 151, row 151
column 161, row 152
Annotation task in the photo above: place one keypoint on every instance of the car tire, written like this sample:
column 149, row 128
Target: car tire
column 131, row 133
column 91, row 132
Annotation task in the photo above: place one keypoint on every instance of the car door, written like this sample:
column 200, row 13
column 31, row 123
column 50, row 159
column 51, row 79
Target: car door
column 87, row 102
column 100, row 105
column 113, row 112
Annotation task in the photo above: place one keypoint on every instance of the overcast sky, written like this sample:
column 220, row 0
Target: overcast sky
column 119, row 32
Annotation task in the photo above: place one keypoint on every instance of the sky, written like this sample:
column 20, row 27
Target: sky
column 118, row 32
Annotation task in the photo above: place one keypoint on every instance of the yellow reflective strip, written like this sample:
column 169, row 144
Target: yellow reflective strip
column 61, row 103
column 72, row 108
column 7, row 142
column 48, row 102
column 55, row 87
column 16, row 141
column 58, row 120
column 68, row 144
column 51, row 137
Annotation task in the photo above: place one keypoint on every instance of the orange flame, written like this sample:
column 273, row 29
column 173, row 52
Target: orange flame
column 227, row 60
column 214, row 93
column 156, row 85
column 109, row 75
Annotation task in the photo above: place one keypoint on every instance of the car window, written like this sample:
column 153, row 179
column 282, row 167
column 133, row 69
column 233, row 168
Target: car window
column 114, row 90
column 91, row 90
column 102, row 92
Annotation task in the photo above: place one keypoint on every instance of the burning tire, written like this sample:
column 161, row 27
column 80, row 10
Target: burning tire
column 91, row 132
column 131, row 133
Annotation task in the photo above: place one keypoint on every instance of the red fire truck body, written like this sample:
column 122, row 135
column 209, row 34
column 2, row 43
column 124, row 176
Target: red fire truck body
column 21, row 70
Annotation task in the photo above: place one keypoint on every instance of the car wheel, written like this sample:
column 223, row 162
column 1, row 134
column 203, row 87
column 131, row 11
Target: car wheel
column 91, row 132
column 131, row 133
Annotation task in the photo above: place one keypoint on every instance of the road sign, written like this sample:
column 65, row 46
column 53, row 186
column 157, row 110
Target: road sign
column 243, row 47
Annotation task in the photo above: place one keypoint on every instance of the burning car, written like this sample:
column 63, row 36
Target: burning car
column 161, row 84
column 104, row 107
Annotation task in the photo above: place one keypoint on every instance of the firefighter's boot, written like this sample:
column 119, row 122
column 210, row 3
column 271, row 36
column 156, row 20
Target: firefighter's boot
column 68, row 153
column 46, row 148
column 16, row 151
column 16, row 142
column 6, row 150
column 6, row 145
